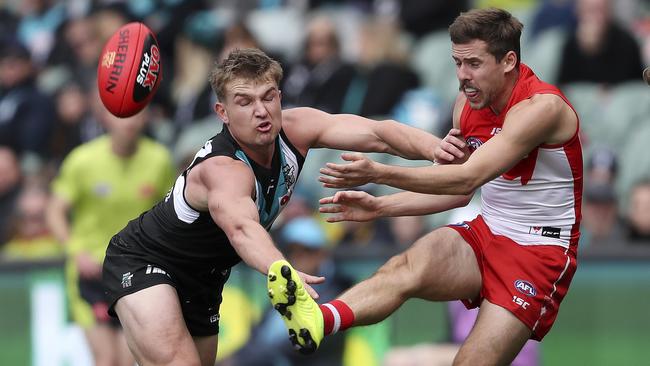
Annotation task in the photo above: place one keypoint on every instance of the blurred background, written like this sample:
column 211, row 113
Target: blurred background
column 377, row 58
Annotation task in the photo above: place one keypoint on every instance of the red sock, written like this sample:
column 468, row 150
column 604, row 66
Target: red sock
column 337, row 316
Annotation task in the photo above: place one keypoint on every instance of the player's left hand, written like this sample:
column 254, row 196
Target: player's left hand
column 309, row 279
column 350, row 206
column 358, row 172
column 452, row 149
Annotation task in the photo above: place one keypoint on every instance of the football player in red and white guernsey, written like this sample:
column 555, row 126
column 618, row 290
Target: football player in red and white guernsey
column 516, row 138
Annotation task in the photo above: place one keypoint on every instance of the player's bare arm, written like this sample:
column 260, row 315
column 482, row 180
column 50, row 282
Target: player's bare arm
column 312, row 128
column 225, row 187
column 56, row 216
column 452, row 149
column 362, row 206
column 541, row 119
column 228, row 189
column 57, row 220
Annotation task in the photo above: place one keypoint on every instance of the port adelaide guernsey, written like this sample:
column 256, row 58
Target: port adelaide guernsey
column 175, row 231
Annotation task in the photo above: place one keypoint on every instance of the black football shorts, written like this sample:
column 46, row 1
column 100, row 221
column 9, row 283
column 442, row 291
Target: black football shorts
column 129, row 268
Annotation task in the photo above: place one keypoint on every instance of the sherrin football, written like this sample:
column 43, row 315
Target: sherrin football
column 129, row 70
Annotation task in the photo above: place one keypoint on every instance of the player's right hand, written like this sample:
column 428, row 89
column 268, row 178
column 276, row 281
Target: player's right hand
column 452, row 149
column 358, row 171
column 309, row 279
column 350, row 206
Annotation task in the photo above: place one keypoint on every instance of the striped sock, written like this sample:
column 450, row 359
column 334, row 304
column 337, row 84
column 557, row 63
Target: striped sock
column 337, row 316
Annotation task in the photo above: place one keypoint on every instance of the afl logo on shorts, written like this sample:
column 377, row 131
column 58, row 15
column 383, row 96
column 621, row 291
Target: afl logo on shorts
column 474, row 143
column 525, row 288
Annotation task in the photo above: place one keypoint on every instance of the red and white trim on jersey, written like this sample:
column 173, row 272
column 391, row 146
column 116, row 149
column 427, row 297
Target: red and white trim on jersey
column 538, row 201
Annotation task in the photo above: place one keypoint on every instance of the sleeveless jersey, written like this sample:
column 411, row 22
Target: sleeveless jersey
column 175, row 230
column 537, row 201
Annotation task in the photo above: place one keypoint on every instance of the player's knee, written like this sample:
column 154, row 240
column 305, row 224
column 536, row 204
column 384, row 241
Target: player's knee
column 174, row 356
column 394, row 264
column 399, row 272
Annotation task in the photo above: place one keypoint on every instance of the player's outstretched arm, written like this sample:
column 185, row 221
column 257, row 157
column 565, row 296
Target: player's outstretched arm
column 543, row 119
column 230, row 185
column 312, row 128
column 361, row 206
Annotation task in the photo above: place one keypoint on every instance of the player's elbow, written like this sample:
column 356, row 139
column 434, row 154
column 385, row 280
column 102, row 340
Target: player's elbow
column 464, row 189
column 237, row 234
column 385, row 130
column 464, row 200
column 236, row 230
column 467, row 181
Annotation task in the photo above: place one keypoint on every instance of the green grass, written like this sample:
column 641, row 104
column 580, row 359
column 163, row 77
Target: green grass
column 605, row 318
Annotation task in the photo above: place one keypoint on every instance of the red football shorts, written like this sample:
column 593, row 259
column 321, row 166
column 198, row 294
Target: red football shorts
column 530, row 281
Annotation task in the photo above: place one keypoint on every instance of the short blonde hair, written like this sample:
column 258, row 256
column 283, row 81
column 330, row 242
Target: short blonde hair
column 249, row 63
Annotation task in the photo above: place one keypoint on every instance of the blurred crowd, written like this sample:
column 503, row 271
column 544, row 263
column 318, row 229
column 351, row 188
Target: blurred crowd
column 376, row 58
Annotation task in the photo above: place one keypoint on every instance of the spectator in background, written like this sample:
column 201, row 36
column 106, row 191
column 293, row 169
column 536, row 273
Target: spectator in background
column 304, row 243
column 25, row 112
column 551, row 14
column 72, row 111
column 638, row 215
column 237, row 36
column 77, row 49
column 103, row 184
column 38, row 21
column 31, row 237
column 422, row 17
column 321, row 78
column 167, row 19
column 601, row 225
column 10, row 183
column 8, row 22
column 383, row 61
column 190, row 90
column 599, row 49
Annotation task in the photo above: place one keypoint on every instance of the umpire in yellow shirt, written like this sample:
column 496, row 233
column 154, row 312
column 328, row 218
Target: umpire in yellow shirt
column 102, row 185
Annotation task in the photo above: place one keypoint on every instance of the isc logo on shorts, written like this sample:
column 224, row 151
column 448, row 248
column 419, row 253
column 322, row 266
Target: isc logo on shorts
column 525, row 288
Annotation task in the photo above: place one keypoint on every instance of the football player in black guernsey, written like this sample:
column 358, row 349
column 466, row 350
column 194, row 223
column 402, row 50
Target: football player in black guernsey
column 166, row 269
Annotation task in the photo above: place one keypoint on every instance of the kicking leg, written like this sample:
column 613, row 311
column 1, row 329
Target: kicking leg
column 439, row 266
column 496, row 339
